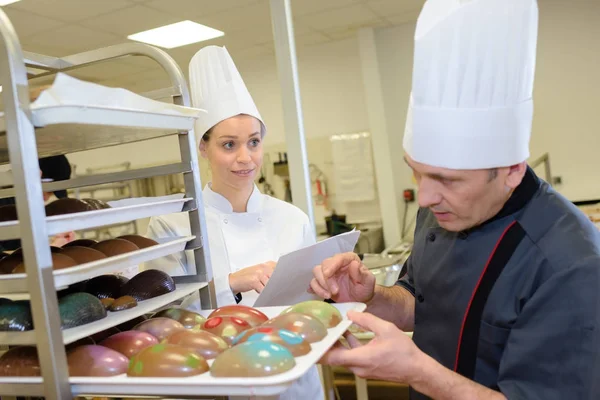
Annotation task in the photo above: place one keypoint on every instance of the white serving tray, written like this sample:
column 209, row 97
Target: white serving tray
column 112, row 319
column 73, row 101
column 110, row 116
column 205, row 384
column 17, row 283
column 91, row 219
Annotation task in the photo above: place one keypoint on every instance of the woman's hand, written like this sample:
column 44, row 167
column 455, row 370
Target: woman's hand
column 251, row 278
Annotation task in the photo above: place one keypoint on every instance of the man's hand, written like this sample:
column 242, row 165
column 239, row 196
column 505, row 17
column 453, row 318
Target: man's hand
column 390, row 356
column 393, row 356
column 343, row 278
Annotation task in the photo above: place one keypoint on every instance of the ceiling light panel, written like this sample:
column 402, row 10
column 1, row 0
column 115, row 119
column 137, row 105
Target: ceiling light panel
column 176, row 35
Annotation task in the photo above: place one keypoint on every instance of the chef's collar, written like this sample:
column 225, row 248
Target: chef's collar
column 219, row 202
column 518, row 199
column 521, row 195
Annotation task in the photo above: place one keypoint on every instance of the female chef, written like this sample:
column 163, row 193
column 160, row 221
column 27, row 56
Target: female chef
column 247, row 230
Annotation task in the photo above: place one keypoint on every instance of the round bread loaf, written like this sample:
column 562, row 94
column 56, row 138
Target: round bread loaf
column 96, row 204
column 81, row 242
column 59, row 261
column 106, row 286
column 148, row 284
column 67, row 206
column 83, row 255
column 140, row 241
column 114, row 247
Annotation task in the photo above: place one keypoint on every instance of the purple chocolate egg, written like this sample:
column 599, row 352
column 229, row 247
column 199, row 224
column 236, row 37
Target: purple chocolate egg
column 160, row 328
column 129, row 343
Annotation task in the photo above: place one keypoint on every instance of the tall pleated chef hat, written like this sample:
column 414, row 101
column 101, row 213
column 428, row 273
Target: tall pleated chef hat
column 217, row 87
column 471, row 105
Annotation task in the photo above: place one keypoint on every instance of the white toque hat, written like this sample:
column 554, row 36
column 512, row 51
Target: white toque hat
column 471, row 105
column 217, row 87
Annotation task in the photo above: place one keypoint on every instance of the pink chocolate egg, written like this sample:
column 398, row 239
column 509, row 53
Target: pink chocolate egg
column 160, row 328
column 94, row 360
column 129, row 343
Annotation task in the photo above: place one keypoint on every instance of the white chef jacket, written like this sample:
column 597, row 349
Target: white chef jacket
column 269, row 229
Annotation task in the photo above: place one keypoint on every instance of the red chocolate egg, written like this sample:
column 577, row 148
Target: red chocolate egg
column 227, row 327
column 249, row 314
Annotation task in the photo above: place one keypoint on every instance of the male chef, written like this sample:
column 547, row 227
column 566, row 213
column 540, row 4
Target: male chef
column 502, row 288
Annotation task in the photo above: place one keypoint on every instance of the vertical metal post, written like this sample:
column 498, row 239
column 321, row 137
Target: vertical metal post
column 389, row 199
column 193, row 188
column 30, row 208
column 328, row 382
column 285, row 52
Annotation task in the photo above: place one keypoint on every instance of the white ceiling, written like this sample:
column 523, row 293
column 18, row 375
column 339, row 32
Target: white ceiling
column 63, row 27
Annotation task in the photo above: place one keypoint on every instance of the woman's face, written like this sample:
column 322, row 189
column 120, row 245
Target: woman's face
column 234, row 151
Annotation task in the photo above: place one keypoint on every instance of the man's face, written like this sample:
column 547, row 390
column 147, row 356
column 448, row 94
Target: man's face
column 462, row 199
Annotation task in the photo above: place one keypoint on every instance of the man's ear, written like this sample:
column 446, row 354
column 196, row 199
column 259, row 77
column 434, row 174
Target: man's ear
column 515, row 175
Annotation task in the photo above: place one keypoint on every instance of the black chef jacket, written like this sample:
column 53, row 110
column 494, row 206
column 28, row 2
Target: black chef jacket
column 539, row 332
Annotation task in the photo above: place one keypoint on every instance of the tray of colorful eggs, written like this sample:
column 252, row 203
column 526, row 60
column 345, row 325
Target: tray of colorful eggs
column 234, row 350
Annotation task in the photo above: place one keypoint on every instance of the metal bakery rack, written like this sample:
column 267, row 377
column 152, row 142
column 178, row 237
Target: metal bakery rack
column 29, row 131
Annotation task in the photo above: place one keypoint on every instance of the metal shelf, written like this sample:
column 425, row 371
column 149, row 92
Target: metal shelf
column 49, row 128
column 102, row 179
column 68, row 129
column 204, row 384
column 17, row 283
column 30, row 386
column 92, row 219
column 74, row 138
column 75, row 115
column 46, row 63
column 112, row 319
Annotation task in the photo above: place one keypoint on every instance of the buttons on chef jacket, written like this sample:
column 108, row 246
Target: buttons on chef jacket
column 420, row 298
column 259, row 219
column 225, row 221
column 431, row 237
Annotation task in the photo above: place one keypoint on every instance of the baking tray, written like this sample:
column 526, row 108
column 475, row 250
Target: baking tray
column 112, row 319
column 205, row 384
column 107, row 116
column 17, row 283
column 150, row 207
column 74, row 101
